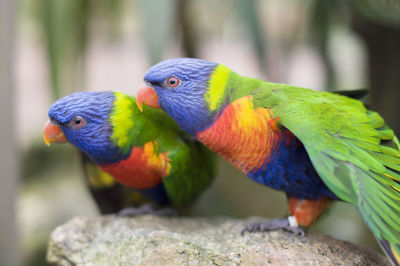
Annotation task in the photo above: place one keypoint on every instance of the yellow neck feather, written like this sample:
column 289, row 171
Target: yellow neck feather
column 216, row 87
column 121, row 119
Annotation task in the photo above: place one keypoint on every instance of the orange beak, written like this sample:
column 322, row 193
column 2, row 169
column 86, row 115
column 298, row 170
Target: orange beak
column 53, row 133
column 147, row 95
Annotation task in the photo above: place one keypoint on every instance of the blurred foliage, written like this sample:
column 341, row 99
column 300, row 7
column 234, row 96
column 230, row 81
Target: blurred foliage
column 68, row 26
column 325, row 15
column 157, row 26
column 56, row 159
column 382, row 42
column 65, row 29
column 247, row 12
column 386, row 12
column 187, row 29
column 378, row 25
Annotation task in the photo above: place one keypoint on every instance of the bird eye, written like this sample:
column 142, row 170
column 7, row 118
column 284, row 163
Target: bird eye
column 78, row 122
column 173, row 82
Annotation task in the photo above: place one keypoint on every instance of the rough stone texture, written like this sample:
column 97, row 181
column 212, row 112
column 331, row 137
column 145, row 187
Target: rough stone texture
column 148, row 240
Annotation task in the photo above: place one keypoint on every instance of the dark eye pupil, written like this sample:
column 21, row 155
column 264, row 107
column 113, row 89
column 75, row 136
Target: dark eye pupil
column 78, row 122
column 172, row 82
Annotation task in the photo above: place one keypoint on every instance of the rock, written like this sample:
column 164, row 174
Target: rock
column 149, row 240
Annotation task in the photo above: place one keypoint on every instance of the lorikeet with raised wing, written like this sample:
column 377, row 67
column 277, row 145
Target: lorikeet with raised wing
column 144, row 151
column 314, row 146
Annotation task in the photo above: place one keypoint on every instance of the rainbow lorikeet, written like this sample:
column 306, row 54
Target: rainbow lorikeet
column 314, row 146
column 146, row 152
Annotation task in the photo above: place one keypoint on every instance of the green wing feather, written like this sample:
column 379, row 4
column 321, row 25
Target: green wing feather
column 353, row 151
column 192, row 164
column 192, row 171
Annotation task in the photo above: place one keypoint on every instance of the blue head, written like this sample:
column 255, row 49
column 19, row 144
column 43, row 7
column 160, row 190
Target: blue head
column 84, row 119
column 180, row 85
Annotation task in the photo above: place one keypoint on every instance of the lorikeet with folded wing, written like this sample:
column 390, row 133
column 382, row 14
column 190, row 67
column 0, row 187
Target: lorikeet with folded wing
column 144, row 151
column 314, row 146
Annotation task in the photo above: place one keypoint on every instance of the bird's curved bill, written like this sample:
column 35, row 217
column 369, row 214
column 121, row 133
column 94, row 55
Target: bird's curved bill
column 147, row 95
column 53, row 133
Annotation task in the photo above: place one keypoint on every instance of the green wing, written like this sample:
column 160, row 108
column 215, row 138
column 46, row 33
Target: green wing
column 192, row 171
column 192, row 164
column 354, row 152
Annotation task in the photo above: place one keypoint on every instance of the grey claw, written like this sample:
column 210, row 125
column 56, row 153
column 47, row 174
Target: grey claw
column 249, row 228
column 299, row 231
column 273, row 225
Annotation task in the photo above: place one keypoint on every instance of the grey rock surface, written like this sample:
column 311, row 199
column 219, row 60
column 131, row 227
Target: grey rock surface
column 148, row 240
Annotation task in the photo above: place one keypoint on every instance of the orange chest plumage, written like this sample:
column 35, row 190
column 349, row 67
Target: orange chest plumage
column 253, row 141
column 243, row 135
column 143, row 169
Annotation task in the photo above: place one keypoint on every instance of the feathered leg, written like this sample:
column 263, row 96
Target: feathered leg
column 303, row 213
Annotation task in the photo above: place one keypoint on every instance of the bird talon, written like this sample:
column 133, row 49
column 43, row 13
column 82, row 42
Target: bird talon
column 298, row 231
column 251, row 228
column 274, row 225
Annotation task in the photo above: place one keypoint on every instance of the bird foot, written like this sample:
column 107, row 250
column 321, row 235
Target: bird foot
column 146, row 209
column 288, row 224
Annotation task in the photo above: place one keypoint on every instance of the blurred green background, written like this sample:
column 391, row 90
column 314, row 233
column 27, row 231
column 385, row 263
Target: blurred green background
column 50, row 48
